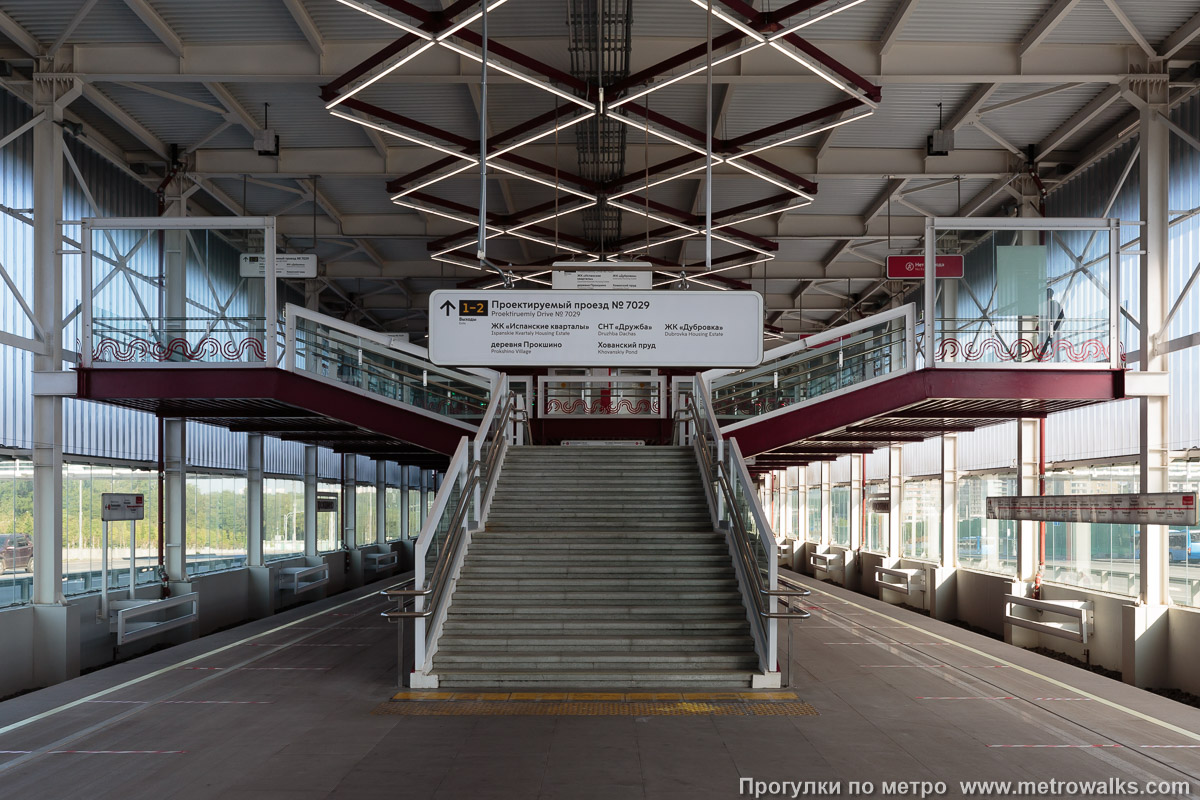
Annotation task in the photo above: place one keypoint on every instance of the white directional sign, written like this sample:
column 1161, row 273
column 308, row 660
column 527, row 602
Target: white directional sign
column 287, row 265
column 600, row 280
column 595, row 329
column 122, row 506
column 1176, row 508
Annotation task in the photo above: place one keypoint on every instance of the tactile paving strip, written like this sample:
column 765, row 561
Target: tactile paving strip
column 596, row 704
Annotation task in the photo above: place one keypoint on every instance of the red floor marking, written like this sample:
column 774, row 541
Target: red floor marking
column 1171, row 746
column 204, row 668
column 131, row 702
column 964, row 698
column 1052, row 746
column 220, row 702
column 119, row 752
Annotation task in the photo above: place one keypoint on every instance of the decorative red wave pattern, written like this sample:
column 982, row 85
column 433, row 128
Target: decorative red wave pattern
column 624, row 405
column 208, row 348
column 1090, row 351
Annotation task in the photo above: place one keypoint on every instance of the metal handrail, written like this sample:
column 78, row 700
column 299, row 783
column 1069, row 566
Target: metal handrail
column 715, row 474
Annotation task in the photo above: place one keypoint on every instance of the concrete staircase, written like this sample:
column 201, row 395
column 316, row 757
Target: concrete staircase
column 598, row 568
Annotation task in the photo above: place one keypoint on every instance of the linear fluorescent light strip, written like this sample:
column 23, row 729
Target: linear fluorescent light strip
column 783, row 210
column 456, row 262
column 544, row 85
column 659, row 182
column 722, row 269
column 548, row 217
column 492, row 6
column 665, row 136
column 819, row 129
column 436, row 213
column 655, row 243
column 690, row 279
column 728, row 20
column 541, row 135
column 684, row 75
column 814, row 20
column 432, row 181
column 363, row 84
column 655, row 217
column 389, row 19
column 821, row 72
column 543, row 182
column 794, row 190
column 406, row 137
column 512, row 231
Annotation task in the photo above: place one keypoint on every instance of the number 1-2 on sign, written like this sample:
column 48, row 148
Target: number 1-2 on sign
column 472, row 308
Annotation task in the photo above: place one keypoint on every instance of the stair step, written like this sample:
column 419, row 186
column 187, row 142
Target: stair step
column 596, row 660
column 584, row 571
column 457, row 623
column 460, row 678
column 474, row 583
column 614, row 613
column 477, row 643
column 647, row 600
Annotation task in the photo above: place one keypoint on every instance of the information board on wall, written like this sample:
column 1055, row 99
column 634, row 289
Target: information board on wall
column 602, row 280
column 287, row 265
column 595, row 329
column 1175, row 508
column 115, row 507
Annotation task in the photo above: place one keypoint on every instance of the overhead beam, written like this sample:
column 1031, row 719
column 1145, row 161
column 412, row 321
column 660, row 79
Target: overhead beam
column 126, row 121
column 1180, row 38
column 1046, row 25
column 21, row 37
column 1079, row 120
column 306, row 25
column 79, row 17
column 896, row 25
column 158, row 26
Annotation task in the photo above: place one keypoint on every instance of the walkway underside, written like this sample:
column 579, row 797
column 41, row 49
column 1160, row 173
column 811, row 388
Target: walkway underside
column 918, row 406
column 280, row 403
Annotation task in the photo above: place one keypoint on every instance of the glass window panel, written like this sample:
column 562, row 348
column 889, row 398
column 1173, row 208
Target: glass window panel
column 365, row 513
column 920, row 528
column 1103, row 557
column 839, row 506
column 16, row 528
column 1183, row 543
column 283, row 518
column 328, row 538
column 393, row 520
column 217, row 537
column 987, row 544
column 812, row 531
column 877, row 522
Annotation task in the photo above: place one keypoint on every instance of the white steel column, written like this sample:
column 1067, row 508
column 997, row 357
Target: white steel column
column 349, row 500
column 826, row 506
column 950, row 500
column 175, row 498
column 47, row 307
column 380, row 501
column 856, row 501
column 895, row 490
column 1153, row 304
column 310, row 500
column 1027, row 486
column 254, row 498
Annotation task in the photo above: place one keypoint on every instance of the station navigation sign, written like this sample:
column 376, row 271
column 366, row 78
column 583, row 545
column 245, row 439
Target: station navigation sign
column 287, row 265
column 115, row 507
column 906, row 268
column 1174, row 508
column 595, row 329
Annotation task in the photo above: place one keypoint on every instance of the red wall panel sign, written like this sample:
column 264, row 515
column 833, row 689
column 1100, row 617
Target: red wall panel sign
column 913, row 267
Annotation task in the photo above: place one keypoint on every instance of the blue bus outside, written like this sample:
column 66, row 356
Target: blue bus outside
column 1183, row 546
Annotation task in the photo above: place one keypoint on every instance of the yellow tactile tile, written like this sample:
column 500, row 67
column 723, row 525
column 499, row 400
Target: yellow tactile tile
column 596, row 696
column 480, row 696
column 538, row 696
column 713, row 695
column 423, row 695
column 636, row 696
column 472, row 708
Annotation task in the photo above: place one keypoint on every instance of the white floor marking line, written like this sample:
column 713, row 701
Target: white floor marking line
column 184, row 664
column 1052, row 681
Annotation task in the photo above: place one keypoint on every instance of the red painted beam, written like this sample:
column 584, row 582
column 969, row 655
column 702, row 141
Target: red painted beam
column 872, row 91
column 408, row 122
column 794, row 122
column 900, row 393
column 330, row 90
column 504, row 51
column 804, row 184
column 174, row 387
column 668, row 64
column 398, row 184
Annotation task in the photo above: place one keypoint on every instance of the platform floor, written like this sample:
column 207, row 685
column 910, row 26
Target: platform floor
column 299, row 706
